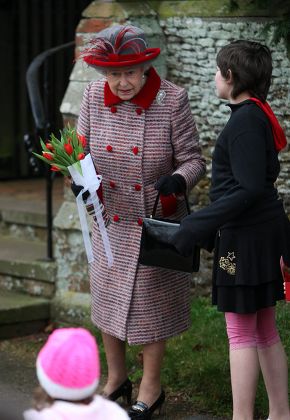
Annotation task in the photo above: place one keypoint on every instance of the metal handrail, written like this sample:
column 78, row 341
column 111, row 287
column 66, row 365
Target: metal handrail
column 33, row 85
column 40, row 111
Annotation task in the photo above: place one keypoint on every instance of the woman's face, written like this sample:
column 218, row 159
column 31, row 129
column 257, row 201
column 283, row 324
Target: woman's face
column 223, row 87
column 126, row 82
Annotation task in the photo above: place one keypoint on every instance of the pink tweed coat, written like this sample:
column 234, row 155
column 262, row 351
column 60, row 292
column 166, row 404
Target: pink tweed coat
column 131, row 150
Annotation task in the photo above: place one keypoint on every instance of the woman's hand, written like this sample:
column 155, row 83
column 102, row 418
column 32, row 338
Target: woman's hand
column 76, row 189
column 170, row 184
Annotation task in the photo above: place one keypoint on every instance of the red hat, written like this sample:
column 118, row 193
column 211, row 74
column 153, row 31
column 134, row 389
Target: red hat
column 119, row 46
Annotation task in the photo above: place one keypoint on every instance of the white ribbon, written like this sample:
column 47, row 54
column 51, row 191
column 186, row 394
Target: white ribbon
column 84, row 227
column 102, row 227
column 90, row 181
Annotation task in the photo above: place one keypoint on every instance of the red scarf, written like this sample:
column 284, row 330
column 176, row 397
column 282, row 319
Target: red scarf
column 278, row 133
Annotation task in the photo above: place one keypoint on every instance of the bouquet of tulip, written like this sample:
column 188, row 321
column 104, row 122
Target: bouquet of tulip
column 64, row 152
column 66, row 155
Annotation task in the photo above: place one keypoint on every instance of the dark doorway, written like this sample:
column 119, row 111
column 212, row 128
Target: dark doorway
column 27, row 28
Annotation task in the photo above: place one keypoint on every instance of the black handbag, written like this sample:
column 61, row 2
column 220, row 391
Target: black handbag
column 155, row 248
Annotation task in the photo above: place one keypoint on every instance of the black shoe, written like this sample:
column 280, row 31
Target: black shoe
column 124, row 390
column 141, row 411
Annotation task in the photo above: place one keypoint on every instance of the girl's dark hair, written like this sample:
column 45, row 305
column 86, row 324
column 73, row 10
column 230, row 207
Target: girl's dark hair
column 251, row 67
column 42, row 400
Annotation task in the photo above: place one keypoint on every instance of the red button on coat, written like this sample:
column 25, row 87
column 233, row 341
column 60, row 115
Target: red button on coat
column 138, row 187
column 116, row 218
column 138, row 111
column 113, row 109
column 112, row 184
column 109, row 148
column 140, row 221
column 135, row 150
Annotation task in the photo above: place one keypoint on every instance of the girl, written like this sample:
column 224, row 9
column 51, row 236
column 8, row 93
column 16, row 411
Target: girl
column 68, row 370
column 253, row 231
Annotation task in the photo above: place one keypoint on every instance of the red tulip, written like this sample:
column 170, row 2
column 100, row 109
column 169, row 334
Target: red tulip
column 81, row 156
column 82, row 140
column 55, row 169
column 68, row 148
column 47, row 155
column 50, row 147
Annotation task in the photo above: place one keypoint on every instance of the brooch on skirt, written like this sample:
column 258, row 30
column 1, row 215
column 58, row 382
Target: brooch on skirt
column 227, row 264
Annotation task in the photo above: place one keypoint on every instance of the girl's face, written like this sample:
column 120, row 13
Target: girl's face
column 126, row 82
column 223, row 86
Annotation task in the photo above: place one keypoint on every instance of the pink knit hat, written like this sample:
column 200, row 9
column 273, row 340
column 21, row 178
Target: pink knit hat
column 68, row 365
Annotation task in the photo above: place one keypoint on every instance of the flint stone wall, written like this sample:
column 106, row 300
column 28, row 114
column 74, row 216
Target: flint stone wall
column 192, row 45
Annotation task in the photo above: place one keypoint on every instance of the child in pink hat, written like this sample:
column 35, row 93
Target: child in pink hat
column 68, row 370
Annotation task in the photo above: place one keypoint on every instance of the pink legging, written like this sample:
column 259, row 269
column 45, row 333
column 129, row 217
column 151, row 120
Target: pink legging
column 252, row 330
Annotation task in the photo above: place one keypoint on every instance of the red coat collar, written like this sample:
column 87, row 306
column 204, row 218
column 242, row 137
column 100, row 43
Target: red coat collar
column 144, row 98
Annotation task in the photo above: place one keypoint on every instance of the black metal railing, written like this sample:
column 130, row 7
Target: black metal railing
column 41, row 111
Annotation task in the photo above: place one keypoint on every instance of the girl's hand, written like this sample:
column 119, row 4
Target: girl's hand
column 183, row 242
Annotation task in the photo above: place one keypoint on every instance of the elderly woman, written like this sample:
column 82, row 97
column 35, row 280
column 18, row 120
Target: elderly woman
column 142, row 137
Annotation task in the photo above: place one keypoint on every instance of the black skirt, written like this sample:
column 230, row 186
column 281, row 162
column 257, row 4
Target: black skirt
column 246, row 273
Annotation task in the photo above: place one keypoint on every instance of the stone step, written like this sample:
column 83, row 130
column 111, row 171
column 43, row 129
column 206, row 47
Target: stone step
column 22, row 314
column 24, row 268
column 23, row 207
column 23, row 219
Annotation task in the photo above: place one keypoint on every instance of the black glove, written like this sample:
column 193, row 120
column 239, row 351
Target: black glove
column 170, row 184
column 76, row 190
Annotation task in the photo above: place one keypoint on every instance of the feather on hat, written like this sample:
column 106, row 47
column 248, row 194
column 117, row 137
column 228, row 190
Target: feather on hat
column 119, row 46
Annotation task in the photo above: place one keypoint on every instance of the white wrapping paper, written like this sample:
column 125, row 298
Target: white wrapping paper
column 90, row 181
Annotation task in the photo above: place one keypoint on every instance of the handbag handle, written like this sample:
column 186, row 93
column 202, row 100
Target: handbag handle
column 157, row 200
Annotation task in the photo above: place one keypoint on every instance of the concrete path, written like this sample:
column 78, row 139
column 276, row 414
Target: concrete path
column 17, row 381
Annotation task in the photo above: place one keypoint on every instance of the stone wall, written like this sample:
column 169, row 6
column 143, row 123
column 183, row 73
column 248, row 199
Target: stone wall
column 192, row 45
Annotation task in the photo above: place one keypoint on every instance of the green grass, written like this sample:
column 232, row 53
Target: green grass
column 196, row 366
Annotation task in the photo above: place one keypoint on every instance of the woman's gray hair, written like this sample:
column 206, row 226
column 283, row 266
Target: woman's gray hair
column 104, row 70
